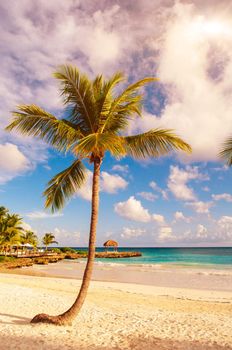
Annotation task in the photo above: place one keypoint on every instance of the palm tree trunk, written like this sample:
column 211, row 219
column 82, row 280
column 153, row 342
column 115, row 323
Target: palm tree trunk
column 68, row 316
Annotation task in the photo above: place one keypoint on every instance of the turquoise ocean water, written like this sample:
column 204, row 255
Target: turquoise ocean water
column 205, row 257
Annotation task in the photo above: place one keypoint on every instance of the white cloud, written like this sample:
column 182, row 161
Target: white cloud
column 109, row 183
column 76, row 34
column 94, row 36
column 66, row 238
column 156, row 188
column 85, row 191
column 112, row 183
column 225, row 222
column 202, row 231
column 121, row 168
column 179, row 216
column 149, row 196
column 200, row 207
column 165, row 234
column 221, row 168
column 12, row 162
column 178, row 179
column 132, row 209
column 224, row 230
column 159, row 219
column 27, row 227
column 224, row 196
column 188, row 78
column 42, row 215
column 212, row 232
column 128, row 232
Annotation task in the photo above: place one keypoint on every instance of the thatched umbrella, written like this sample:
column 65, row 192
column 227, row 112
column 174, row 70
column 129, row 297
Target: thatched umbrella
column 111, row 243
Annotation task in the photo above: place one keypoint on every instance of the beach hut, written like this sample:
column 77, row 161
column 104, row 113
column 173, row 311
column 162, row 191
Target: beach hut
column 111, row 243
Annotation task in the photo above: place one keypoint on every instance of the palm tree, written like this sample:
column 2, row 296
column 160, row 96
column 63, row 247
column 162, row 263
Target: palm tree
column 96, row 119
column 29, row 237
column 48, row 239
column 11, row 229
column 226, row 152
column 3, row 212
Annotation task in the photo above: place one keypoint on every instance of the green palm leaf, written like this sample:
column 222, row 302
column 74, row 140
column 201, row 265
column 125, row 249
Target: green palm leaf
column 99, row 143
column 34, row 121
column 77, row 93
column 128, row 103
column 154, row 143
column 63, row 185
column 103, row 93
column 226, row 152
column 48, row 239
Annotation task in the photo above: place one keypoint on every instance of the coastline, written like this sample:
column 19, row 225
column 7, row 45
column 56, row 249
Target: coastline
column 115, row 316
column 169, row 275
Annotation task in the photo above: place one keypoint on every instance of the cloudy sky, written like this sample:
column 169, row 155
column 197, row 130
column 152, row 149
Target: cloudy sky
column 172, row 201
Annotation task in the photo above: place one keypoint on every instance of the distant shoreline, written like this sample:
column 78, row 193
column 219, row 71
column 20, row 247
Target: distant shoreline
column 159, row 275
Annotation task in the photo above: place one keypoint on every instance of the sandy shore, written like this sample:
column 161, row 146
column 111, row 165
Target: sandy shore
column 115, row 316
column 154, row 275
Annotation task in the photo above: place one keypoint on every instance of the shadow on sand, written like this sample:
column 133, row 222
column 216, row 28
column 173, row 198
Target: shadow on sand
column 39, row 342
column 14, row 319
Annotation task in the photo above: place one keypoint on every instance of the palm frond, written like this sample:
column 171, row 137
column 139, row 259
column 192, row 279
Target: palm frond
column 103, row 93
column 226, row 152
column 63, row 185
column 99, row 143
column 154, row 143
column 77, row 93
column 128, row 103
column 32, row 120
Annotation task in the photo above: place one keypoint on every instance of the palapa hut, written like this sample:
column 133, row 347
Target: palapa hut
column 111, row 243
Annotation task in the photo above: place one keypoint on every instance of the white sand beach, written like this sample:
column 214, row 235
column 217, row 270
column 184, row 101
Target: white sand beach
column 114, row 316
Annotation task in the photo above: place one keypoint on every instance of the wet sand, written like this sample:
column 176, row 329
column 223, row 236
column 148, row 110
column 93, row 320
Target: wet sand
column 155, row 275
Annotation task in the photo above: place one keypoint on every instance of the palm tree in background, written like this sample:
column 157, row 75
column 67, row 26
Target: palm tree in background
column 226, row 152
column 3, row 212
column 10, row 229
column 96, row 119
column 3, row 226
column 12, row 232
column 29, row 237
column 48, row 239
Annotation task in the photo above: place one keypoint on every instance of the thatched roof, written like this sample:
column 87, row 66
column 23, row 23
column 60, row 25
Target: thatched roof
column 110, row 243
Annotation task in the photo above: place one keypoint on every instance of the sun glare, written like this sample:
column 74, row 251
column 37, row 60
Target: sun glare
column 211, row 27
column 214, row 28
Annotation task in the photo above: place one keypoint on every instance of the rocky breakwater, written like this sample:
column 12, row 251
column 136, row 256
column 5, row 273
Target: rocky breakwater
column 13, row 263
column 102, row 255
column 117, row 255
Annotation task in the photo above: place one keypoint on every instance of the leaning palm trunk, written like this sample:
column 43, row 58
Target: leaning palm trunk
column 68, row 316
column 98, row 115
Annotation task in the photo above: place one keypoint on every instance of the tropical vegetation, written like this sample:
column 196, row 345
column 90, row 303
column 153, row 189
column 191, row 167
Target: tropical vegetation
column 97, row 114
column 48, row 239
column 29, row 237
column 11, row 229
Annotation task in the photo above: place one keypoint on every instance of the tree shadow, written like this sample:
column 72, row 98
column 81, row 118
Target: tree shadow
column 15, row 319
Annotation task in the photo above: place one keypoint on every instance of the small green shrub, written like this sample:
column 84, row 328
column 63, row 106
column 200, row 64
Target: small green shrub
column 82, row 252
column 56, row 250
column 67, row 250
column 6, row 259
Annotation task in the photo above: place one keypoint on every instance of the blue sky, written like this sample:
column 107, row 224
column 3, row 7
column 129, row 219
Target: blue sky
column 172, row 201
